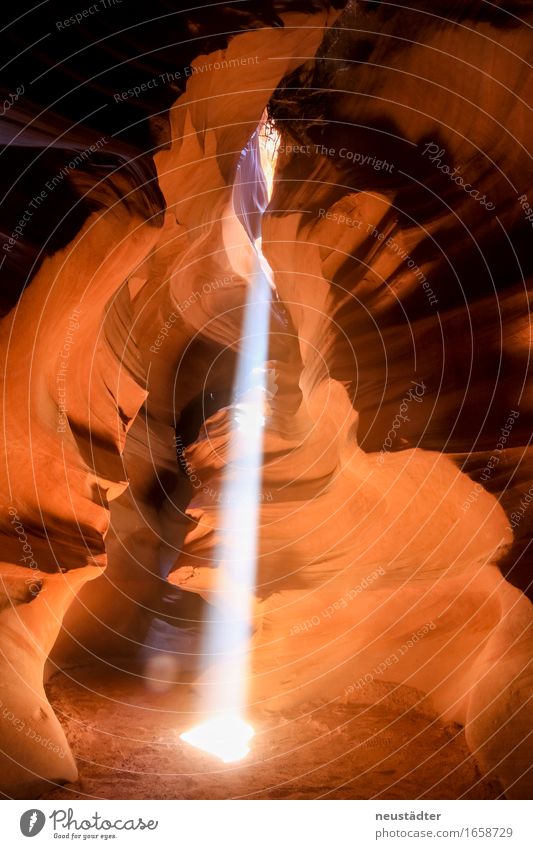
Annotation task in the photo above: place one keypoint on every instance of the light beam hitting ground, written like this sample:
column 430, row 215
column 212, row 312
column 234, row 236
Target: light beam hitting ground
column 226, row 733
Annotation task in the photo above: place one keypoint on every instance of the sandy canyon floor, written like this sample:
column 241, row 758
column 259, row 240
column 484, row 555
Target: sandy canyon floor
column 387, row 746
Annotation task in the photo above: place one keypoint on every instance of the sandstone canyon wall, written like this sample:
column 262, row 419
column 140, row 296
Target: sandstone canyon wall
column 394, row 530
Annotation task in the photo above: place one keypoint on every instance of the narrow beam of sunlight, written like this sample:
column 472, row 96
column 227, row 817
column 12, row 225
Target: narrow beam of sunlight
column 226, row 733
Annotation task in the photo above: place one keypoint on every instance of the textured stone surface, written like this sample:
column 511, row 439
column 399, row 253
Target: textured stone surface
column 395, row 450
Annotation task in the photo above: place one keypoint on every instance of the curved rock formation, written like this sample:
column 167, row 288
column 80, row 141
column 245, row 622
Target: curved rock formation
column 391, row 546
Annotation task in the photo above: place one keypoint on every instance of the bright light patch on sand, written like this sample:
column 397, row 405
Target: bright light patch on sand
column 227, row 737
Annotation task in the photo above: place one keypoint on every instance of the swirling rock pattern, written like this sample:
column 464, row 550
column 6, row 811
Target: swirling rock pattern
column 395, row 447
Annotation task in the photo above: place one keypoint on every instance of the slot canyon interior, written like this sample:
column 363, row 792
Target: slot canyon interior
column 266, row 470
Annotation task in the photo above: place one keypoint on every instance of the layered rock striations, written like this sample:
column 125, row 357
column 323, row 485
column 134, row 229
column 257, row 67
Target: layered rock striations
column 395, row 445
